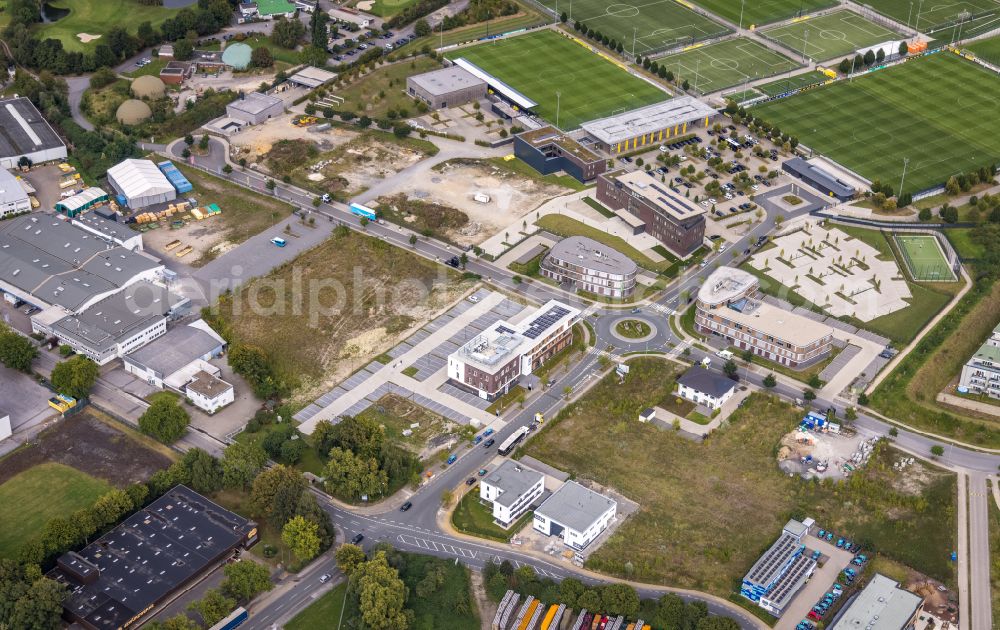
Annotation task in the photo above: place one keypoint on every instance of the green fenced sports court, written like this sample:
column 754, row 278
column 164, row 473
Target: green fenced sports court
column 654, row 24
column 544, row 63
column 988, row 49
column 727, row 63
column 871, row 123
column 924, row 257
column 792, row 82
column 933, row 13
column 828, row 36
column 758, row 12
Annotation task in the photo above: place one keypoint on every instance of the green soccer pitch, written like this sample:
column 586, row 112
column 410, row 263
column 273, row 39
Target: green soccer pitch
column 758, row 12
column 653, row 25
column 988, row 49
column 785, row 84
column 725, row 64
column 872, row 123
column 931, row 14
column 541, row 64
column 924, row 257
column 828, row 36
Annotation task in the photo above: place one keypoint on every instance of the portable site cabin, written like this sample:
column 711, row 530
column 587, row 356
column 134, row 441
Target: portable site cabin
column 82, row 202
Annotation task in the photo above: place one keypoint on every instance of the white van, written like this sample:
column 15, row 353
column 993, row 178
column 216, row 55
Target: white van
column 724, row 354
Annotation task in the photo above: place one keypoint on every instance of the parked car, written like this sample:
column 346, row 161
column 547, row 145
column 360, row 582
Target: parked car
column 452, row 458
column 482, row 472
column 406, row 506
column 470, row 481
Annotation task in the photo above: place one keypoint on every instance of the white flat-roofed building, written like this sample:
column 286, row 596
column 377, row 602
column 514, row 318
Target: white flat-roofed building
column 981, row 373
column 446, row 87
column 511, row 488
column 254, row 108
column 13, row 197
column 590, row 266
column 141, row 183
column 575, row 513
column 26, row 134
column 491, row 362
column 648, row 125
column 159, row 362
column 312, row 77
column 729, row 306
column 118, row 233
column 882, row 605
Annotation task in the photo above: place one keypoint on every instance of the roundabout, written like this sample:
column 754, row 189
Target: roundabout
column 633, row 329
column 630, row 332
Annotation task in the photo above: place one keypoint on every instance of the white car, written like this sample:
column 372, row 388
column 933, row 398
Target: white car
column 723, row 248
column 705, row 204
column 713, row 200
column 473, row 298
column 729, row 196
column 325, row 578
column 754, row 187
column 663, row 149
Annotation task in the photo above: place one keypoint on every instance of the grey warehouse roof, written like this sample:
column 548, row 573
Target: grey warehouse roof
column 446, row 80
column 177, row 348
column 312, row 77
column 514, row 479
column 11, row 190
column 882, row 605
column 586, row 252
column 23, row 129
column 638, row 122
column 575, row 506
column 710, row 383
column 254, row 102
column 63, row 264
column 801, row 168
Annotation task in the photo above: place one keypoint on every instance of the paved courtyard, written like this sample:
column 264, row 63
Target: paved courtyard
column 842, row 274
column 417, row 367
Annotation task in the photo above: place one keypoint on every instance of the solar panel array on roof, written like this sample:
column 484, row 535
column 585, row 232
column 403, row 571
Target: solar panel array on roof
column 504, row 330
column 774, row 560
column 543, row 322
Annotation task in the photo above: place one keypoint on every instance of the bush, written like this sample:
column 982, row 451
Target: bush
column 165, row 420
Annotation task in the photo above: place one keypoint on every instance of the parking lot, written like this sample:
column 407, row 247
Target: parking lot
column 819, row 584
column 23, row 398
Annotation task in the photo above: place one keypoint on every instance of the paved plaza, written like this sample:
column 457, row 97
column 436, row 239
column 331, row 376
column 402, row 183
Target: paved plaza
column 844, row 275
column 417, row 367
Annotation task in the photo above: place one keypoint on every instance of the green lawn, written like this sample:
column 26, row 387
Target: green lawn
column 710, row 509
column 566, row 226
column 792, row 82
column 924, row 257
column 96, row 17
column 524, row 19
column 726, row 63
column 542, row 64
column 383, row 89
column 762, row 11
column 931, row 14
column 994, row 553
column 660, row 25
column 389, row 8
column 152, row 68
column 961, row 240
column 325, row 612
column 871, row 123
column 833, row 35
column 473, row 518
column 38, row 494
column 310, row 462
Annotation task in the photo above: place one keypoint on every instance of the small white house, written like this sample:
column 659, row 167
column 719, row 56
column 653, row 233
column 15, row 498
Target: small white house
column 576, row 513
column 705, row 388
column 511, row 488
column 209, row 392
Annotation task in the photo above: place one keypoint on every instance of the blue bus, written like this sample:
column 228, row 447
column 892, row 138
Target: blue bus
column 235, row 619
column 363, row 211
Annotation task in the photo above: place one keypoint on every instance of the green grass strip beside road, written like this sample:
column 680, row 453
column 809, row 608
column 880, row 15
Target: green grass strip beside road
column 473, row 518
column 325, row 612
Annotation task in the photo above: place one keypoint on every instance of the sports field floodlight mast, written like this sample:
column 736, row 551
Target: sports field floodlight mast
column 558, row 97
column 906, row 162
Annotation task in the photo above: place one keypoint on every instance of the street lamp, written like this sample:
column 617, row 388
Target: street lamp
column 558, row 97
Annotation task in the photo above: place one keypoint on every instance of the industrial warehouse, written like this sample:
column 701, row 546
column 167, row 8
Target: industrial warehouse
column 121, row 577
column 649, row 125
column 26, row 134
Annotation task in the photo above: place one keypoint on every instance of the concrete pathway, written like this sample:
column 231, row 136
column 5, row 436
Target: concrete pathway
column 393, row 372
column 965, row 403
column 963, row 553
column 979, row 553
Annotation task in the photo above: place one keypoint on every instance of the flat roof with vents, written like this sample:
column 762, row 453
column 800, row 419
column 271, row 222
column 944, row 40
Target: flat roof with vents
column 882, row 605
column 658, row 193
column 586, row 252
column 149, row 556
column 23, row 130
column 649, row 119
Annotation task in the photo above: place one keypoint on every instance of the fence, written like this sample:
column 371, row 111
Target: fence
column 932, row 272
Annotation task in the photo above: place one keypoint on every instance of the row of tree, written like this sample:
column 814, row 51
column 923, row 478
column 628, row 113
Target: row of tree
column 244, row 581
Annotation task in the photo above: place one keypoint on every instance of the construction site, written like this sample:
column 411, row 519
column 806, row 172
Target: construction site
column 822, row 449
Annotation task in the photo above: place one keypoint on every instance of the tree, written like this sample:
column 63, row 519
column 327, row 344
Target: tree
column 111, row 507
column 715, row 622
column 401, row 130
column 850, row 414
column 180, row 621
column 924, row 214
column 809, row 394
column 75, row 377
column 16, row 352
column 570, row 590
column 937, row 450
column 730, row 368
column 165, row 420
column 869, row 58
column 880, row 56
column 589, row 599
column 862, row 398
column 287, row 33
column 747, row 355
column 382, row 595
column 246, row 580
column 275, row 494
column 318, row 30
column 949, row 214
column 241, row 463
column 352, row 476
column 349, row 558
column 189, row 139
column 904, row 49
column 814, row 381
column 952, row 187
column 213, row 606
column 40, row 606
column 302, row 537
column 685, row 85
column 183, row 49
column 421, row 28
column 770, row 381
column 203, row 143
column 261, row 57
column 269, row 184
column 205, row 471
column 845, row 66
column 620, row 599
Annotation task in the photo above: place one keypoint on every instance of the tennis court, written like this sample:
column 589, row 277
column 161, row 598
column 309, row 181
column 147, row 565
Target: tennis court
column 758, row 12
column 829, row 36
column 724, row 64
column 924, row 257
column 930, row 14
column 570, row 83
column 651, row 26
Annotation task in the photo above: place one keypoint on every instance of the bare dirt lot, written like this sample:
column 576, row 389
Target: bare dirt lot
column 254, row 142
column 454, row 183
column 817, row 454
column 91, row 443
